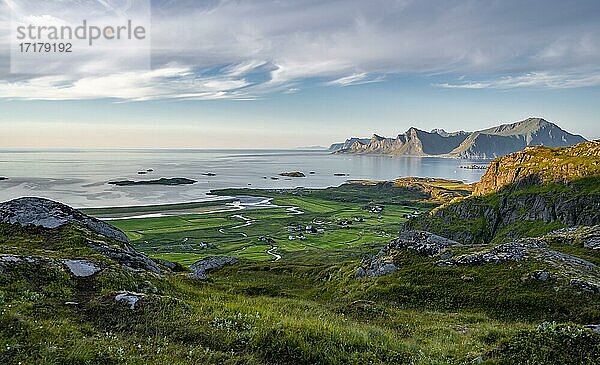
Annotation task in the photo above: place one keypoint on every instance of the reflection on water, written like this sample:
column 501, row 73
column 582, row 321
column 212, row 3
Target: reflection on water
column 78, row 177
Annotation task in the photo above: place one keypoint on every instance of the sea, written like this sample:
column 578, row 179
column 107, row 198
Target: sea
column 80, row 177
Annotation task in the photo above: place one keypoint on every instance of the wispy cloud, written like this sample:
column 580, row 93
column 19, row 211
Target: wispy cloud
column 355, row 79
column 533, row 79
column 233, row 49
column 163, row 83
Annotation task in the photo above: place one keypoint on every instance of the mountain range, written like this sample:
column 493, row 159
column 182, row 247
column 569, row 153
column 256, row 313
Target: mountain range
column 488, row 143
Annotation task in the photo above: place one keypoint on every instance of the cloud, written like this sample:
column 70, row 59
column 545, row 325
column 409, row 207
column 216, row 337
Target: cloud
column 355, row 79
column 234, row 49
column 163, row 83
column 534, row 79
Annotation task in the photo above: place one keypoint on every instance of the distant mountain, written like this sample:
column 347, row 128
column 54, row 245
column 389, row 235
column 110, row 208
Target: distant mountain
column 349, row 142
column 311, row 148
column 488, row 143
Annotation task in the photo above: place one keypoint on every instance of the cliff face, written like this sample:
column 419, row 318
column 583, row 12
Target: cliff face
column 488, row 143
column 541, row 164
column 524, row 194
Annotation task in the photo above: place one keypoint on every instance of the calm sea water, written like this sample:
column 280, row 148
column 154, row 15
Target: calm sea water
column 79, row 177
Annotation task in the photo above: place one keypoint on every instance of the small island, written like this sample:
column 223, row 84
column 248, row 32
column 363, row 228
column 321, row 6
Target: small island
column 209, row 174
column 161, row 181
column 3, row 178
column 340, row 174
column 474, row 167
column 293, row 174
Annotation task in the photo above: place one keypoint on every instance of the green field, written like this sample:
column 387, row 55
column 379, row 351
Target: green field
column 306, row 308
column 188, row 237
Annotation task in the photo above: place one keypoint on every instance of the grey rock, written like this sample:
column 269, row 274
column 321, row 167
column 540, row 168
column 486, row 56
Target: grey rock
column 361, row 273
column 50, row 214
column 540, row 275
column 513, row 251
column 593, row 243
column 593, row 327
column 9, row 258
column 421, row 242
column 173, row 266
column 126, row 256
column 592, row 287
column 81, row 268
column 424, row 243
column 10, row 262
column 130, row 298
column 202, row 267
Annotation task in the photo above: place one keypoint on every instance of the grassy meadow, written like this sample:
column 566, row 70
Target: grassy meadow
column 305, row 308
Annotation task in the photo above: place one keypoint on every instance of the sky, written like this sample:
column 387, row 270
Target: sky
column 284, row 74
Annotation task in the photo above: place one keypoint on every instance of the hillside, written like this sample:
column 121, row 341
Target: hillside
column 530, row 192
column 70, row 294
column 487, row 143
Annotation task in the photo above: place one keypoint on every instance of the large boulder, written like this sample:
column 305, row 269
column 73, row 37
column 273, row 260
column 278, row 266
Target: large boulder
column 50, row 214
column 202, row 267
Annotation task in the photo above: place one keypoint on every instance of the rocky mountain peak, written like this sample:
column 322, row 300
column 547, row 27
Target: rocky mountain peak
column 488, row 143
column 377, row 138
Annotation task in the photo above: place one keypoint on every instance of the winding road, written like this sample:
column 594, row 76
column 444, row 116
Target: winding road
column 276, row 256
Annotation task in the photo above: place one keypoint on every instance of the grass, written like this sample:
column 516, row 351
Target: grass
column 307, row 308
column 507, row 214
column 183, row 237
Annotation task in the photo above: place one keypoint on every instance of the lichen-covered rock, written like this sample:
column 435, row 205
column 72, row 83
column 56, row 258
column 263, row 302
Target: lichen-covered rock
column 586, row 236
column 50, row 214
column 375, row 268
column 424, row 243
column 514, row 251
column 126, row 256
column 82, row 268
column 202, row 267
column 129, row 298
column 541, row 275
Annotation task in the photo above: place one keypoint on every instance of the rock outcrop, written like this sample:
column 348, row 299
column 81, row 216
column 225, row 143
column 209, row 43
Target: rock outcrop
column 487, row 143
column 50, row 214
column 347, row 144
column 201, row 268
column 77, row 268
column 82, row 268
column 126, row 256
column 382, row 263
column 580, row 274
column 535, row 165
column 540, row 187
column 569, row 270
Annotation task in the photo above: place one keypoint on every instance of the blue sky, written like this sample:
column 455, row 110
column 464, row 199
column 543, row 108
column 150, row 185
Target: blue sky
column 300, row 73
